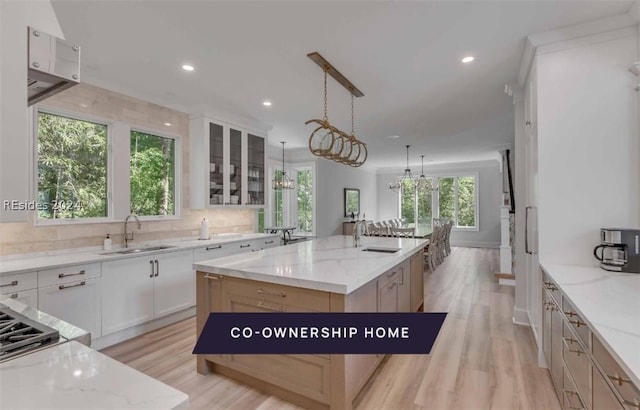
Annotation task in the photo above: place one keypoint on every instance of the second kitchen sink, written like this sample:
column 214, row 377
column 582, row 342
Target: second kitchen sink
column 127, row 251
column 382, row 250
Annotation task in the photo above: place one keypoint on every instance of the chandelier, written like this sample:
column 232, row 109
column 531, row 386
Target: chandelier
column 407, row 179
column 423, row 183
column 281, row 180
column 327, row 141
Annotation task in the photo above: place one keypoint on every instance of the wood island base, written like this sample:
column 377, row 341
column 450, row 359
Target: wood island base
column 311, row 381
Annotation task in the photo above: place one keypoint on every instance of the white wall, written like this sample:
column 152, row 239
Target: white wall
column 332, row 178
column 489, row 197
column 15, row 17
column 588, row 144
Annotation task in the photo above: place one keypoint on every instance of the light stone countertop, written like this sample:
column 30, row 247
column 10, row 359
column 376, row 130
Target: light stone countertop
column 73, row 376
column 331, row 264
column 13, row 264
column 610, row 304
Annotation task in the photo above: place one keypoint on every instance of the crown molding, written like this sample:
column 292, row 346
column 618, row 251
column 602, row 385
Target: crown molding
column 203, row 110
column 534, row 41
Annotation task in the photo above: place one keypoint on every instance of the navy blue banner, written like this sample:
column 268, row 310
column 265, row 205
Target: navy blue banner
column 319, row 333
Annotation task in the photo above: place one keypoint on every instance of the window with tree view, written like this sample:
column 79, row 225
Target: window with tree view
column 278, row 203
column 415, row 204
column 304, row 185
column 72, row 168
column 152, row 174
column 458, row 200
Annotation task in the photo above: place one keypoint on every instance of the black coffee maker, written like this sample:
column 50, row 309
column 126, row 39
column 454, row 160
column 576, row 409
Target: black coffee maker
column 620, row 250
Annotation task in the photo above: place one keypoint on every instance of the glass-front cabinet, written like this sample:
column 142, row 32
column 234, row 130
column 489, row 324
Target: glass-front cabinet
column 232, row 171
column 256, row 170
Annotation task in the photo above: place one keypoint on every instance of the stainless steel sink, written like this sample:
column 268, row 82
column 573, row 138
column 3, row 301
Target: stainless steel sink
column 127, row 251
column 381, row 250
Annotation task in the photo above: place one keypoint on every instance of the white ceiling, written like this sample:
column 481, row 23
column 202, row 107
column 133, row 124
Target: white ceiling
column 404, row 56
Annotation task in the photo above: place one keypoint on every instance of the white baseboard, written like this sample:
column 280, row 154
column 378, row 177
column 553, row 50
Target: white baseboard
column 132, row 332
column 476, row 244
column 520, row 317
column 508, row 282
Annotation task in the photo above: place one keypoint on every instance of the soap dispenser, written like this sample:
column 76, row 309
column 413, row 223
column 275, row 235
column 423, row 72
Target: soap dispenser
column 107, row 243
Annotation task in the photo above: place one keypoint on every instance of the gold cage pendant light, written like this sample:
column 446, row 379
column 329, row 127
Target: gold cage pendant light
column 329, row 142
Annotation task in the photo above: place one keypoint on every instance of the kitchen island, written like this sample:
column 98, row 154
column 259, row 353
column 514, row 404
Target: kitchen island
column 323, row 275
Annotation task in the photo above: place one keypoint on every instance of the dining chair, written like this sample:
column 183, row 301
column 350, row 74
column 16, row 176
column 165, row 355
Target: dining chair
column 402, row 232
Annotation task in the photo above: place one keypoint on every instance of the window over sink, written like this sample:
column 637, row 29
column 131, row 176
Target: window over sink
column 72, row 168
column 152, row 173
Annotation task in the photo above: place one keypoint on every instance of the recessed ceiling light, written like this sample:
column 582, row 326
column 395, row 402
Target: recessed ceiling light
column 393, row 137
column 187, row 67
column 467, row 59
column 266, row 103
column 168, row 124
column 83, row 105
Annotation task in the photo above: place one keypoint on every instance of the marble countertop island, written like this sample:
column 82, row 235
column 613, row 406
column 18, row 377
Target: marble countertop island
column 331, row 264
column 73, row 376
column 610, row 303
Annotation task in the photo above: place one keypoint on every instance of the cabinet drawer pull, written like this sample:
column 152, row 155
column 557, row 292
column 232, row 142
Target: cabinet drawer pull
column 212, row 277
column 14, row 283
column 64, row 275
column 210, row 248
column 389, row 275
column 245, row 246
column 276, row 308
column 267, row 242
column 577, row 323
column 577, row 351
column 277, row 294
column 14, row 296
column 152, row 270
column 571, row 313
column 618, row 379
column 157, row 268
column 72, row 286
column 570, row 339
column 632, row 403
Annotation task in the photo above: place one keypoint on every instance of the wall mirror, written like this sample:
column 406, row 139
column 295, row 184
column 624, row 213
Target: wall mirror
column 351, row 201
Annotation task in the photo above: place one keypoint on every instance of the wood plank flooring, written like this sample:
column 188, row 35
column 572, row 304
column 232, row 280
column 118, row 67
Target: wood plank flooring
column 481, row 360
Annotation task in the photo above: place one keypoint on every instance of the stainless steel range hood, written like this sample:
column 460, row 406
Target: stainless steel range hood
column 54, row 65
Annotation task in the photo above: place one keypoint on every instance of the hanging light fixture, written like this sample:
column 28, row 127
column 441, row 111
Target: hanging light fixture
column 407, row 177
column 327, row 141
column 423, row 183
column 282, row 181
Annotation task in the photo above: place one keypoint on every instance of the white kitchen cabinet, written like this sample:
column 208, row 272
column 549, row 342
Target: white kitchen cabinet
column 228, row 165
column 77, row 302
column 137, row 290
column 21, row 287
column 127, row 293
column 211, row 252
column 28, row 297
column 174, row 283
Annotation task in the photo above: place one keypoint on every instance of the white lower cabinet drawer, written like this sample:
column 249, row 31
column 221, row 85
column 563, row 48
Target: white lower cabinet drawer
column 19, row 282
column 78, row 303
column 66, row 274
column 28, row 297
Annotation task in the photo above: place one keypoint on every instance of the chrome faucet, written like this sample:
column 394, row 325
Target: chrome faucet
column 129, row 236
column 359, row 228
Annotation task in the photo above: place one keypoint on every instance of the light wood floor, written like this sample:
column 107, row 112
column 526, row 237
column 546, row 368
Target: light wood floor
column 481, row 360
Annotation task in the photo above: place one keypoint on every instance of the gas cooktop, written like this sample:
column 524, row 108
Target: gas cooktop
column 19, row 334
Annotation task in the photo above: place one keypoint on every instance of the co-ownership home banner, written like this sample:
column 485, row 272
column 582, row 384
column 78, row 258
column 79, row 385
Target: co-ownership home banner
column 319, row 333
